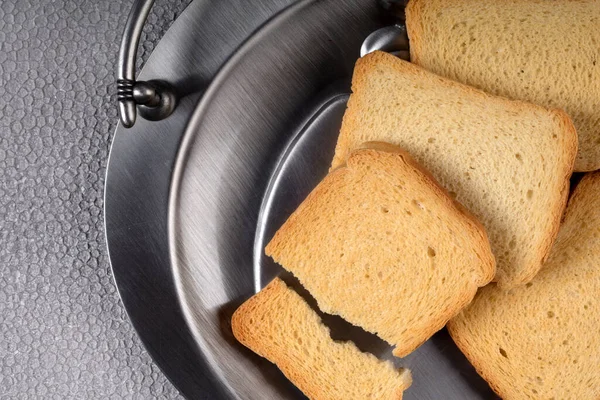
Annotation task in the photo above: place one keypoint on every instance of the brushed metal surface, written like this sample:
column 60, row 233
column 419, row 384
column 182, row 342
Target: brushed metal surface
column 138, row 180
column 257, row 143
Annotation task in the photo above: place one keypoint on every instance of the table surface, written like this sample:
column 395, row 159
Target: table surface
column 63, row 330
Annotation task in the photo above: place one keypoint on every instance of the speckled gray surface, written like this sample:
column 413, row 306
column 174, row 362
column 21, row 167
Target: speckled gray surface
column 63, row 331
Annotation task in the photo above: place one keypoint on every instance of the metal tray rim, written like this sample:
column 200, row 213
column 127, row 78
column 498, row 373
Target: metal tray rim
column 182, row 155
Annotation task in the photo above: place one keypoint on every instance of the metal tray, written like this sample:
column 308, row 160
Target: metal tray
column 191, row 201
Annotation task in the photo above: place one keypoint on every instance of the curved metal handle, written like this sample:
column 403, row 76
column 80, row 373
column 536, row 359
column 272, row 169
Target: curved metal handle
column 155, row 99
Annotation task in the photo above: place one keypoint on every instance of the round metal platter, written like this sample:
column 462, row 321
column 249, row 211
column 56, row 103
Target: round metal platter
column 191, row 201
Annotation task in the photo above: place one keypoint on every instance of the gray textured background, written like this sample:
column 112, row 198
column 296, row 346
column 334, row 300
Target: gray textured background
column 63, row 331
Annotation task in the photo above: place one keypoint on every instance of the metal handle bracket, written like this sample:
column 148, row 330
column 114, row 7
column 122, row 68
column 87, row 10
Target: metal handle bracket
column 154, row 99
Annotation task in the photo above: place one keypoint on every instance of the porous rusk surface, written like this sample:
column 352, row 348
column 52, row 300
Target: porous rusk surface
column 542, row 340
column 508, row 162
column 545, row 52
column 280, row 326
column 381, row 244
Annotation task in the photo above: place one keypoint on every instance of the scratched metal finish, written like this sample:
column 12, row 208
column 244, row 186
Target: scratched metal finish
column 64, row 334
column 261, row 138
column 138, row 180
